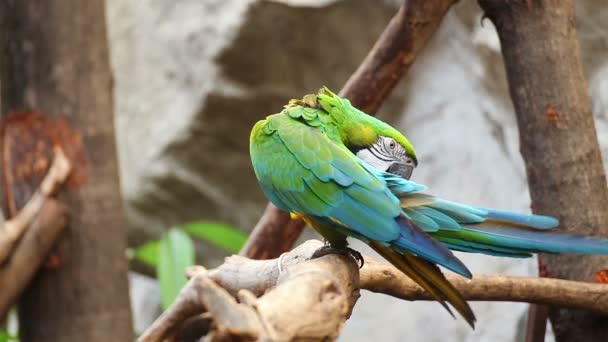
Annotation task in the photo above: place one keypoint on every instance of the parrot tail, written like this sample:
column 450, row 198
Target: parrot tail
column 501, row 239
column 429, row 277
column 495, row 232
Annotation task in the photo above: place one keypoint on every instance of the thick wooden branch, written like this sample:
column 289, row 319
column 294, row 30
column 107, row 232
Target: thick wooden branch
column 392, row 55
column 312, row 298
column 308, row 301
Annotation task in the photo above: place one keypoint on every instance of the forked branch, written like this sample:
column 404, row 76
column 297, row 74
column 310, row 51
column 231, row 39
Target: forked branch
column 246, row 299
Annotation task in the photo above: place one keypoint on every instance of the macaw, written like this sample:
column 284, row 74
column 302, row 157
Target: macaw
column 347, row 174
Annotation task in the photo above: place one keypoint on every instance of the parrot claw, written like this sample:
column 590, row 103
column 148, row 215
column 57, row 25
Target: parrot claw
column 346, row 251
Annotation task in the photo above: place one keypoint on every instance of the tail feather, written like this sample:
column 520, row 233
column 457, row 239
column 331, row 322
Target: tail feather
column 525, row 220
column 474, row 247
column 490, row 231
column 430, row 278
column 483, row 238
column 412, row 239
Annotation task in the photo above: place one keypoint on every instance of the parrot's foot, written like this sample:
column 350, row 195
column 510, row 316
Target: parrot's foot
column 346, row 251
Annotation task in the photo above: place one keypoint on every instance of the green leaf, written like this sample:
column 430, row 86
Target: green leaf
column 176, row 252
column 220, row 234
column 6, row 337
column 148, row 253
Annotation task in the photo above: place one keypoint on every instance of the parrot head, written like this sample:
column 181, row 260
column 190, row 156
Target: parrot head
column 388, row 155
column 371, row 140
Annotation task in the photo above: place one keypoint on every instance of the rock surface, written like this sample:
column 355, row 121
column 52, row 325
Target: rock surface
column 191, row 78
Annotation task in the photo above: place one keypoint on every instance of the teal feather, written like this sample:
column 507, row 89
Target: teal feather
column 533, row 221
column 494, row 232
column 463, row 246
column 424, row 222
column 539, row 241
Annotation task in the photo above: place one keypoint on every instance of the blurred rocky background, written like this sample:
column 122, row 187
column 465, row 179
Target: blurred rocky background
column 192, row 76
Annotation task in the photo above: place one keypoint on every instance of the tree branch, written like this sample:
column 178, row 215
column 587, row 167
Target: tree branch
column 383, row 278
column 41, row 221
column 312, row 298
column 406, row 34
column 394, row 52
column 31, row 252
column 14, row 228
column 308, row 301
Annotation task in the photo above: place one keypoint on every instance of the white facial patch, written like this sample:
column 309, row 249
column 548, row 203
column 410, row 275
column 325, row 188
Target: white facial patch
column 382, row 153
column 380, row 164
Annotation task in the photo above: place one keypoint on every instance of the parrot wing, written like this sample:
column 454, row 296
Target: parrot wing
column 302, row 170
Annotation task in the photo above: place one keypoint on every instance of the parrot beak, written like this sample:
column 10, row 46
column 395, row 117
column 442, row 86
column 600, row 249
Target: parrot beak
column 401, row 169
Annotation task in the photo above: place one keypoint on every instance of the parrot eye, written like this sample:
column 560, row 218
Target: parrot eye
column 392, row 145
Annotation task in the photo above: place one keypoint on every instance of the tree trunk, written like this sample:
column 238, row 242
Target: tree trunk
column 558, row 139
column 55, row 61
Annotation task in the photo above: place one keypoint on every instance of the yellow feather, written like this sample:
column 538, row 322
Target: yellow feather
column 430, row 278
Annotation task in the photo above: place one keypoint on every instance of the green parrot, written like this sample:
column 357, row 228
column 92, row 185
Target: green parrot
column 347, row 174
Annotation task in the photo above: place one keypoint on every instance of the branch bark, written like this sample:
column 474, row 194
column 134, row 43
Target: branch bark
column 321, row 293
column 308, row 301
column 558, row 138
column 394, row 52
column 392, row 55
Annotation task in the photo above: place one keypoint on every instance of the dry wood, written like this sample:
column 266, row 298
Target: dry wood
column 284, row 306
column 41, row 221
column 392, row 55
column 558, row 139
column 308, row 301
column 31, row 252
column 383, row 278
column 13, row 229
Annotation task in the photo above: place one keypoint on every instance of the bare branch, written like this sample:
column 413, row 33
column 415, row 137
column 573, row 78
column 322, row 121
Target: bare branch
column 40, row 222
column 291, row 302
column 31, row 252
column 394, row 52
column 383, row 278
column 14, row 228
column 309, row 301
column 409, row 30
column 275, row 233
